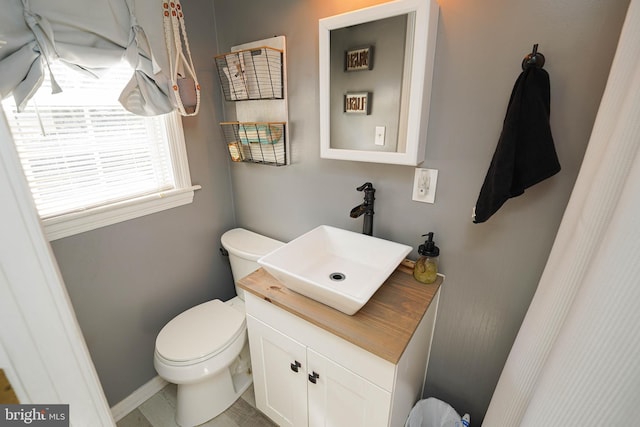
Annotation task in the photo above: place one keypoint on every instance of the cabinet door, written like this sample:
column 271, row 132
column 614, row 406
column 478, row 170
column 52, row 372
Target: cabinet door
column 281, row 392
column 340, row 398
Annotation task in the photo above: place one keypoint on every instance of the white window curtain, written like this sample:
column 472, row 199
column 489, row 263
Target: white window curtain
column 575, row 360
column 89, row 36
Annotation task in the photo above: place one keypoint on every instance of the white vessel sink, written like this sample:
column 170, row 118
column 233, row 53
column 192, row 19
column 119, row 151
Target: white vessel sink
column 336, row 267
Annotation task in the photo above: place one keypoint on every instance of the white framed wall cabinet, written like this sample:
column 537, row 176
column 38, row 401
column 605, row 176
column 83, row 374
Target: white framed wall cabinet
column 385, row 55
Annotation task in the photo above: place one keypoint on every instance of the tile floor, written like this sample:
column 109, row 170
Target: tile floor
column 159, row 411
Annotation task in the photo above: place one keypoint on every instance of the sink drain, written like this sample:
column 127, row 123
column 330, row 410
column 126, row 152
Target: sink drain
column 337, row 277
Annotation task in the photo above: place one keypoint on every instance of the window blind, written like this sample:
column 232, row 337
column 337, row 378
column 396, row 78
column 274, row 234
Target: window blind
column 80, row 149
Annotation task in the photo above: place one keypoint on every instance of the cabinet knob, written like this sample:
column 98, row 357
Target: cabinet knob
column 295, row 365
column 313, row 377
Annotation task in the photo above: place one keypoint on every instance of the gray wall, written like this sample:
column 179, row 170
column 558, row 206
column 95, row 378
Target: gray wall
column 126, row 281
column 491, row 269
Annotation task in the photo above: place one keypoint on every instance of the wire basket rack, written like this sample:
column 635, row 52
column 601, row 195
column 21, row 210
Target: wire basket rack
column 251, row 74
column 256, row 142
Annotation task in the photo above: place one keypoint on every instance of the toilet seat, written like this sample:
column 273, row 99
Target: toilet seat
column 199, row 333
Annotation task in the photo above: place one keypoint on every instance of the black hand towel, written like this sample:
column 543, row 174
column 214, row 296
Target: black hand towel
column 525, row 154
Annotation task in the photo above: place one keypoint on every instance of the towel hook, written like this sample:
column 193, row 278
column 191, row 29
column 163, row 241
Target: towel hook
column 534, row 59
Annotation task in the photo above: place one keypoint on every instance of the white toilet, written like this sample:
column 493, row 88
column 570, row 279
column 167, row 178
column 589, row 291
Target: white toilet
column 205, row 350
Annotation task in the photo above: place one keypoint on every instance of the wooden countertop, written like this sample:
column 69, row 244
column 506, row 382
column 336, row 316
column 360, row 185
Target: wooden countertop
column 384, row 326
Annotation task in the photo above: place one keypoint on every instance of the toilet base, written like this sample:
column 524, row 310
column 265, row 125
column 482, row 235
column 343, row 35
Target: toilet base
column 199, row 402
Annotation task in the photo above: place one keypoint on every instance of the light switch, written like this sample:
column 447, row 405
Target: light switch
column 379, row 140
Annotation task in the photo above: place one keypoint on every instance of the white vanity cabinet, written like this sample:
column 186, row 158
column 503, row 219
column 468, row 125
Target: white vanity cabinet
column 314, row 366
column 279, row 374
column 297, row 386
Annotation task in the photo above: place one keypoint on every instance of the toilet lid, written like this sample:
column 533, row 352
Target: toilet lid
column 200, row 331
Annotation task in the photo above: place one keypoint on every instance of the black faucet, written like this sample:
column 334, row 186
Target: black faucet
column 365, row 208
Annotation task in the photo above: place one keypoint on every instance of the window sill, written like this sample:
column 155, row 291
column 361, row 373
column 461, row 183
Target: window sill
column 91, row 219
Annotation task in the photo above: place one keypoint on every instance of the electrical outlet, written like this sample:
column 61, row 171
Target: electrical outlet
column 424, row 185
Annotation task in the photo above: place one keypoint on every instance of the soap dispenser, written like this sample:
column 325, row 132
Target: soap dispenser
column 426, row 268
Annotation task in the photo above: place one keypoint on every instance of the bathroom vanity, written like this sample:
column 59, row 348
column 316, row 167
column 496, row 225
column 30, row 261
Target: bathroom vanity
column 315, row 366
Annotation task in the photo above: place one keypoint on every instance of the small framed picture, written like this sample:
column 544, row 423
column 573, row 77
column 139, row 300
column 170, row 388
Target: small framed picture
column 359, row 59
column 357, row 103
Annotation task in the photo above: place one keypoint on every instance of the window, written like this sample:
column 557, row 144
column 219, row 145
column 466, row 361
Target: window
column 89, row 162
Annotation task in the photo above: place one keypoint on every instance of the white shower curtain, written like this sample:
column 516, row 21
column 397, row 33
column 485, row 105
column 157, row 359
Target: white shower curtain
column 576, row 359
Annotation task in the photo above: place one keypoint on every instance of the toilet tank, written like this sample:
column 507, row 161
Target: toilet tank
column 245, row 247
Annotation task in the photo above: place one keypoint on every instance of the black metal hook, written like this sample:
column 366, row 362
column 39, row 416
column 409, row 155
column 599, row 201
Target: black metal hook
column 534, row 59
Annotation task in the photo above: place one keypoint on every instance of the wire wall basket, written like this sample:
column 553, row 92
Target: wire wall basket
column 259, row 142
column 251, row 74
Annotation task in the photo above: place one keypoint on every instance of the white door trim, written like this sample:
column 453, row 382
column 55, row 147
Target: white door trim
column 42, row 349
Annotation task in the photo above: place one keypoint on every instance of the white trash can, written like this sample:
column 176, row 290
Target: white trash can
column 432, row 412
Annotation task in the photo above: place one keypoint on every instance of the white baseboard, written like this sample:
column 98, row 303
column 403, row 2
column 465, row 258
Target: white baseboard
column 135, row 399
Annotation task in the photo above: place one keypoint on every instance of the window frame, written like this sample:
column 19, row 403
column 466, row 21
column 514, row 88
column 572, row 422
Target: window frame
column 77, row 222
column 80, row 221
